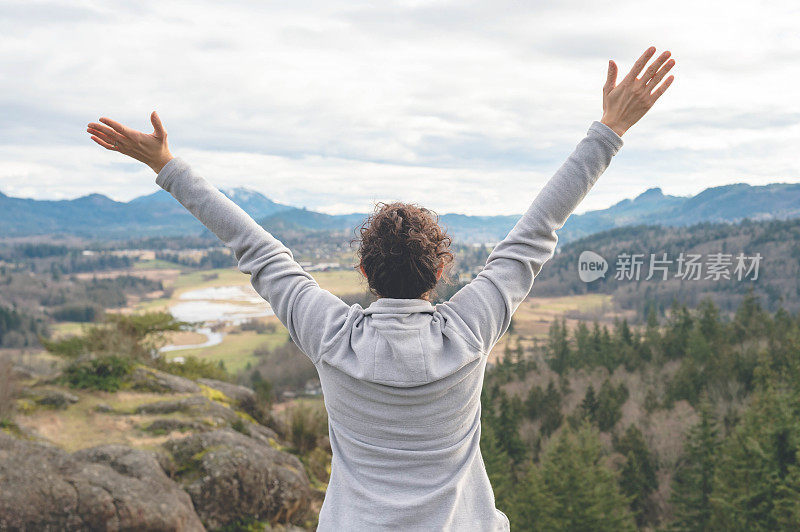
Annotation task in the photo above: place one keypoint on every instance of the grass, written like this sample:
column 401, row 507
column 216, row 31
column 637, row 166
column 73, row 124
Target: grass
column 80, row 425
column 341, row 282
column 236, row 349
column 582, row 302
column 66, row 328
column 535, row 315
column 157, row 264
column 316, row 401
column 185, row 338
column 153, row 305
column 192, row 280
column 337, row 281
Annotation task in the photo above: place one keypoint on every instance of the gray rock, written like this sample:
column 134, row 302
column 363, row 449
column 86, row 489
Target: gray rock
column 29, row 366
column 51, row 398
column 104, row 408
column 104, row 488
column 144, row 378
column 196, row 406
column 209, row 415
column 261, row 433
column 124, row 460
column 171, row 424
column 23, row 373
column 238, row 393
column 229, row 475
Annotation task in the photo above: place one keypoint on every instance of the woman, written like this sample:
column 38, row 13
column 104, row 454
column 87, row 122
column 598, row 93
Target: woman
column 402, row 378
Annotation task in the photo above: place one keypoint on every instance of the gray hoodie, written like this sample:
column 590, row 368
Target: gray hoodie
column 402, row 378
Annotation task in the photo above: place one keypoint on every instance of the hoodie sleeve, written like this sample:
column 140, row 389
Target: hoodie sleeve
column 482, row 309
column 311, row 314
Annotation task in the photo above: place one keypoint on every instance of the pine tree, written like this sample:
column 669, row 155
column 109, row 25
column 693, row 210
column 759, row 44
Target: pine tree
column 638, row 475
column 498, row 468
column 677, row 331
column 534, row 403
column 572, row 489
column 651, row 345
column 551, row 414
column 709, row 321
column 589, row 404
column 757, row 482
column 609, row 404
column 750, row 319
column 692, row 485
column 583, row 346
column 558, row 349
column 607, row 355
column 521, row 363
column 507, row 428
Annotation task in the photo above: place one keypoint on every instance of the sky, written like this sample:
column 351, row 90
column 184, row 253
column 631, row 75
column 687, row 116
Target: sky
column 459, row 106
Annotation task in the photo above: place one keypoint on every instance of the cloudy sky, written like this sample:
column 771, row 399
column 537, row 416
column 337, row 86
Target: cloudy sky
column 460, row 106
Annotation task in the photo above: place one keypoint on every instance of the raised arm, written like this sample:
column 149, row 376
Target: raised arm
column 312, row 315
column 487, row 303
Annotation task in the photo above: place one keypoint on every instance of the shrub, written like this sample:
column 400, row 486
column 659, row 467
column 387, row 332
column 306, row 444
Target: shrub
column 77, row 312
column 259, row 407
column 194, row 368
column 305, row 424
column 104, row 373
column 259, row 326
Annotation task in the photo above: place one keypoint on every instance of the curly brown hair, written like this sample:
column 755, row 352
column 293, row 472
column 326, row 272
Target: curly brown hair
column 401, row 247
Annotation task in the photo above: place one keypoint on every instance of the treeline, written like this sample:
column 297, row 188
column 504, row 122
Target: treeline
column 208, row 260
column 716, row 356
column 68, row 298
column 586, row 466
column 162, row 243
column 777, row 283
column 33, row 251
column 58, row 260
column 18, row 329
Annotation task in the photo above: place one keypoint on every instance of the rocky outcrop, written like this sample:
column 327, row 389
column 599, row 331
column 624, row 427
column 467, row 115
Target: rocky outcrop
column 230, row 475
column 240, row 394
column 149, row 379
column 212, row 413
column 51, row 398
column 104, row 488
column 195, row 406
column 168, row 424
column 219, row 465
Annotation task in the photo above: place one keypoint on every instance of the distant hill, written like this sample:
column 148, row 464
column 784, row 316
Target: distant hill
column 254, row 203
column 728, row 203
column 778, row 282
column 159, row 214
column 96, row 215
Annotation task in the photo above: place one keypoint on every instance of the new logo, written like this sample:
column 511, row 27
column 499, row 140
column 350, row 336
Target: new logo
column 591, row 266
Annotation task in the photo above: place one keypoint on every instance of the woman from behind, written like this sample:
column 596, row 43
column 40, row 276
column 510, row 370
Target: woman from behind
column 402, row 378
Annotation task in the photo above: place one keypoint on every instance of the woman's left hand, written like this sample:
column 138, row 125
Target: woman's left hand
column 151, row 149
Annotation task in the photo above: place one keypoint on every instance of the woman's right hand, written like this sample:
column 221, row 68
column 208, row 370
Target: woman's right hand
column 150, row 148
column 626, row 103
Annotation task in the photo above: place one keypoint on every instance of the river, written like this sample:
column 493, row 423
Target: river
column 217, row 305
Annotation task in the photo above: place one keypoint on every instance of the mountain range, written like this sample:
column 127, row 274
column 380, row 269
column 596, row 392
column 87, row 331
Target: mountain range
column 98, row 216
